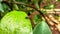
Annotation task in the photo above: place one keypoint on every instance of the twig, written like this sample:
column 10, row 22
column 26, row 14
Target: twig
column 20, row 3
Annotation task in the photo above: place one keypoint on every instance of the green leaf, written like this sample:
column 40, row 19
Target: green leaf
column 15, row 22
column 15, row 7
column 36, row 3
column 5, row 7
column 44, row 11
column 42, row 28
column 1, row 8
column 37, row 19
column 52, row 6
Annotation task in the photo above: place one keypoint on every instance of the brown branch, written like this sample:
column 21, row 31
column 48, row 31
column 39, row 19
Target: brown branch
column 52, row 11
column 20, row 3
column 31, row 7
column 49, row 21
column 57, row 11
column 53, row 19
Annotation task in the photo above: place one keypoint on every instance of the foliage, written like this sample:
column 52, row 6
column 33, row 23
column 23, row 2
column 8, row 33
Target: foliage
column 29, row 6
column 42, row 28
column 15, row 22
